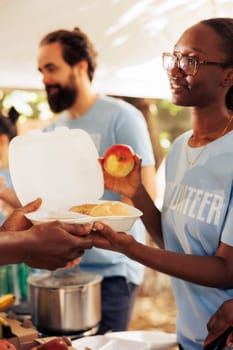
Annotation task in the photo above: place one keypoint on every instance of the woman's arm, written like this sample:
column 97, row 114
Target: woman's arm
column 213, row 271
column 151, row 215
column 131, row 186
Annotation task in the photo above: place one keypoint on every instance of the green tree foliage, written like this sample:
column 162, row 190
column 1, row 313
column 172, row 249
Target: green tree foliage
column 30, row 104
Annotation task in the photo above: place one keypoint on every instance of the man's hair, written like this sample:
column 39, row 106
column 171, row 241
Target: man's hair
column 76, row 47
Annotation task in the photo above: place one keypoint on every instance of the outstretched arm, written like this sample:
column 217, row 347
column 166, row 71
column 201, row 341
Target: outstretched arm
column 213, row 271
column 48, row 245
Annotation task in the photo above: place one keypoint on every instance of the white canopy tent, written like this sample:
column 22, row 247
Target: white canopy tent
column 130, row 36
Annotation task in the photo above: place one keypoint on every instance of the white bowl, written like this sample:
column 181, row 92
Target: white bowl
column 117, row 223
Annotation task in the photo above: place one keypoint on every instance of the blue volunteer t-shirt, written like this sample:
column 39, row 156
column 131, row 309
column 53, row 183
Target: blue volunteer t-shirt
column 197, row 215
column 5, row 174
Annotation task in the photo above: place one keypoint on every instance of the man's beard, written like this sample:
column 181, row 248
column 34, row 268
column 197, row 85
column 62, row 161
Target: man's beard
column 63, row 98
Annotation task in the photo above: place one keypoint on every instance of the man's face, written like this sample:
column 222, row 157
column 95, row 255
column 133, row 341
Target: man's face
column 61, row 97
column 58, row 78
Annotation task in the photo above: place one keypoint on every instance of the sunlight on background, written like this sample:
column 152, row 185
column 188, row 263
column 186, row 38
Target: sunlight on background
column 24, row 101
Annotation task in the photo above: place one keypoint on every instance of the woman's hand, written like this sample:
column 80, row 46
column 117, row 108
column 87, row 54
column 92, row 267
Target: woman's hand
column 127, row 185
column 106, row 238
column 219, row 322
column 17, row 220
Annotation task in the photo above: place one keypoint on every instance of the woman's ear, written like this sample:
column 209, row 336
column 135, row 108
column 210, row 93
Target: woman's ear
column 228, row 81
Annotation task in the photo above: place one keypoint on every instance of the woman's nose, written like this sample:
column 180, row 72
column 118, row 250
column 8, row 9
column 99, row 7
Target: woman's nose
column 174, row 69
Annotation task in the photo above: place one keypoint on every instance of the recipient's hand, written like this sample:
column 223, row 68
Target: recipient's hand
column 219, row 322
column 17, row 221
column 53, row 245
column 127, row 185
column 106, row 238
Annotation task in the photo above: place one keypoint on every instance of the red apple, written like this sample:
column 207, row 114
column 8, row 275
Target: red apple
column 119, row 160
column 54, row 344
column 6, row 345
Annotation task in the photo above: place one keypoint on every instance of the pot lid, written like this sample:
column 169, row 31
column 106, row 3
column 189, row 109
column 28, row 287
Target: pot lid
column 65, row 278
column 60, row 166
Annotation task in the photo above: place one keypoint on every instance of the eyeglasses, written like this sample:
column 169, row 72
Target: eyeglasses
column 188, row 64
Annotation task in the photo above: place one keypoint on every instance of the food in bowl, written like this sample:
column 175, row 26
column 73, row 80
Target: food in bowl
column 102, row 209
column 82, row 208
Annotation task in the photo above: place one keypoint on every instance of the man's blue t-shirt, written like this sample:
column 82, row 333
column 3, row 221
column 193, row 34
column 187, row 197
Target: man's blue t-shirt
column 110, row 121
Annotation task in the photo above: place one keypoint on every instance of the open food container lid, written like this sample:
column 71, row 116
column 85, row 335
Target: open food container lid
column 60, row 166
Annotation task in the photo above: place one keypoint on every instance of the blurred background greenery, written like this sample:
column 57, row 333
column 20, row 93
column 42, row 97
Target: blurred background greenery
column 165, row 120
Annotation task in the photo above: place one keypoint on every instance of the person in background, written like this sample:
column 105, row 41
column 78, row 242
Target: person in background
column 34, row 245
column 194, row 228
column 12, row 277
column 8, row 130
column 67, row 61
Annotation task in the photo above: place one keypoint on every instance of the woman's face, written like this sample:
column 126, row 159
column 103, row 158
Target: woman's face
column 206, row 86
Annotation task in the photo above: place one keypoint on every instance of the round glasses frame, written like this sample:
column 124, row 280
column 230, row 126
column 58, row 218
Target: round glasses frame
column 188, row 64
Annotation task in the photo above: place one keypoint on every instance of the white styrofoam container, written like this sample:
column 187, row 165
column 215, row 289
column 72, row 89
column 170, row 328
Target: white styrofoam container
column 101, row 342
column 118, row 223
column 62, row 168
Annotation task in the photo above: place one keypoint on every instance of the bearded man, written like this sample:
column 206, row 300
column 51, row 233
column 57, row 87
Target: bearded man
column 67, row 62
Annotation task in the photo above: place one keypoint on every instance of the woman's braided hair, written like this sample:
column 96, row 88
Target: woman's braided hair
column 223, row 26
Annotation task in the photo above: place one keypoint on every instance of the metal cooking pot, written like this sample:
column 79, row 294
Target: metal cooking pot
column 65, row 303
